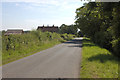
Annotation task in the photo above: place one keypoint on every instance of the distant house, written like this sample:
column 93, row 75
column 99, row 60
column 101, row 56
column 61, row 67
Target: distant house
column 13, row 31
column 48, row 28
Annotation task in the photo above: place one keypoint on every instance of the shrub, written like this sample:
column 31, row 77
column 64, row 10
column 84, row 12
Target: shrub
column 14, row 46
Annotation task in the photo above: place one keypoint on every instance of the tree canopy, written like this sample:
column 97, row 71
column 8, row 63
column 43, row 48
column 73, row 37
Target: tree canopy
column 69, row 29
column 100, row 21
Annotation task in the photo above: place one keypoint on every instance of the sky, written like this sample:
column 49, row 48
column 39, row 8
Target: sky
column 29, row 14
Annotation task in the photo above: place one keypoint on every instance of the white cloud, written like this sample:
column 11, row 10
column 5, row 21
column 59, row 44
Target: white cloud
column 62, row 12
column 55, row 2
column 17, row 4
column 64, row 4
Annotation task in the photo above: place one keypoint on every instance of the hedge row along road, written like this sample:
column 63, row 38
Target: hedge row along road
column 60, row 61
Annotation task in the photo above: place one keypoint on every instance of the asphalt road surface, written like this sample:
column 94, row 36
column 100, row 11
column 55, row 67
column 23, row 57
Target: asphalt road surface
column 60, row 61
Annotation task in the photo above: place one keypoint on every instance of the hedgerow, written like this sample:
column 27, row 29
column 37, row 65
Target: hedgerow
column 14, row 46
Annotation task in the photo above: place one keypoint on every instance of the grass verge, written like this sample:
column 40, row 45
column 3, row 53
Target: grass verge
column 97, row 62
column 35, row 50
column 15, row 47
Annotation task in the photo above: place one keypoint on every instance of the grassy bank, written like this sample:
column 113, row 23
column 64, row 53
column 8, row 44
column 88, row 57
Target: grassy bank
column 97, row 62
column 15, row 47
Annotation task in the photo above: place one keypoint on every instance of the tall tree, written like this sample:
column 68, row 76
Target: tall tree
column 100, row 21
column 69, row 29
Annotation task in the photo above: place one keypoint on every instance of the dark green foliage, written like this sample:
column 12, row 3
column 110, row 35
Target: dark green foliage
column 101, row 22
column 80, row 34
column 69, row 29
column 66, row 36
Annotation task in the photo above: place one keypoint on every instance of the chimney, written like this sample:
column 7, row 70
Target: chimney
column 53, row 25
column 48, row 25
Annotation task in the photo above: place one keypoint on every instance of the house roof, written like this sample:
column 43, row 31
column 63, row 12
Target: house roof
column 13, row 31
column 48, row 28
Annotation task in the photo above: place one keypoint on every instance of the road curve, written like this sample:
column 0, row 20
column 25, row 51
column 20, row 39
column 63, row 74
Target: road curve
column 60, row 61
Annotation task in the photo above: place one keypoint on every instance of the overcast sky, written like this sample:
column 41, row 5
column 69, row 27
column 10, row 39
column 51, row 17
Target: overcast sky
column 29, row 14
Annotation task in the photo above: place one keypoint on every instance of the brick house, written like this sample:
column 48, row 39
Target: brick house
column 48, row 28
column 13, row 31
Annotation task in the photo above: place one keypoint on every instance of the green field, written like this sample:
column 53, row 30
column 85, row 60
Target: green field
column 97, row 62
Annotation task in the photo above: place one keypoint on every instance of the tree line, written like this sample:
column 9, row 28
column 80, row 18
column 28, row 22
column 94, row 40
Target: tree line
column 100, row 21
column 70, row 29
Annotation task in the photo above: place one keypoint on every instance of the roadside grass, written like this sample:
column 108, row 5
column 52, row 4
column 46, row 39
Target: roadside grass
column 27, row 52
column 97, row 62
column 15, row 47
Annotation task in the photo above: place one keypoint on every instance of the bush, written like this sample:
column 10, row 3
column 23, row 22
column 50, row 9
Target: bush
column 14, row 46
column 116, row 46
column 67, row 37
column 100, row 22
